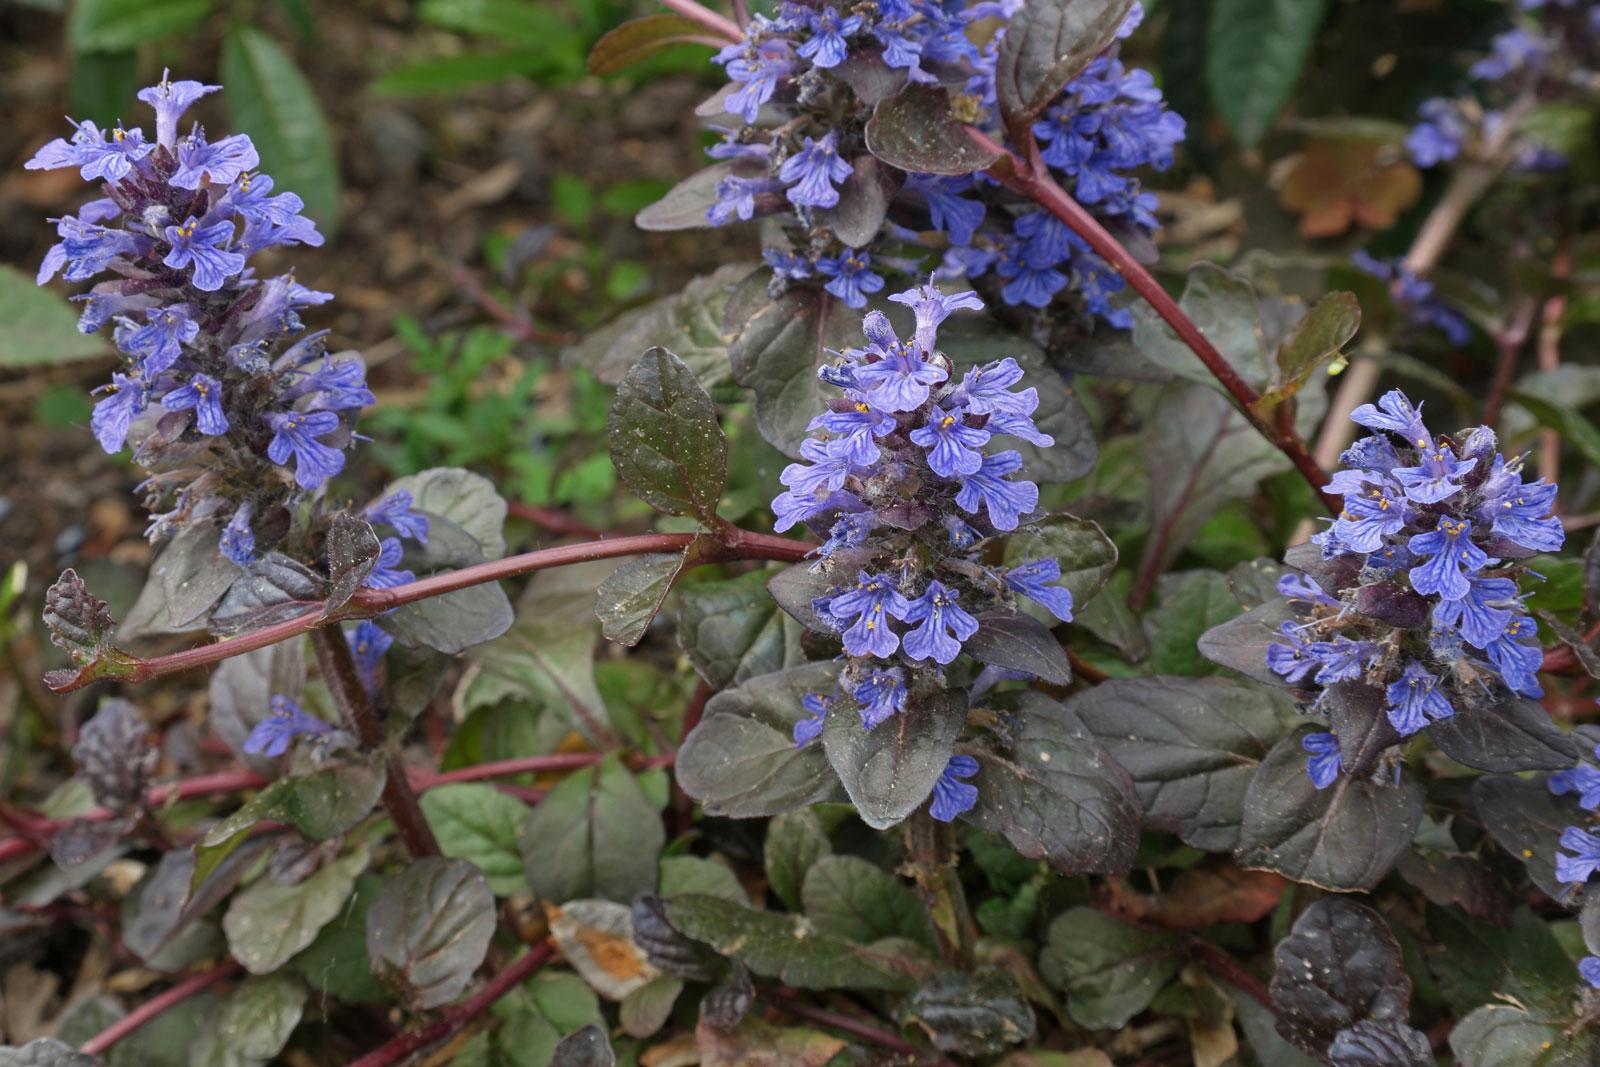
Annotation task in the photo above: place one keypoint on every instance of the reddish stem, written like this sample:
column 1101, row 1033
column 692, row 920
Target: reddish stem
column 1509, row 340
column 1225, row 967
column 153, row 1007
column 788, row 1000
column 452, row 1019
column 712, row 21
column 1032, row 180
column 515, row 321
column 557, row 522
column 734, row 544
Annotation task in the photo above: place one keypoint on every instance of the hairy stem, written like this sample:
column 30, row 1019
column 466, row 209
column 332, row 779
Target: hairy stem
column 1224, row 966
column 343, row 679
column 101, row 1042
column 931, row 850
column 1509, row 339
column 718, row 24
column 1031, row 179
column 403, row 1046
column 732, row 545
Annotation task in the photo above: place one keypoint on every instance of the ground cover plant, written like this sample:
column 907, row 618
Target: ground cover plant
column 997, row 613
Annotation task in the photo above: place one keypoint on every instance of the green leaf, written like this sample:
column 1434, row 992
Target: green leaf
column 268, row 923
column 453, row 74
column 480, row 824
column 890, row 770
column 665, row 438
column 46, row 1052
column 849, row 898
column 732, row 630
column 38, row 327
column 335, row 964
column 1527, row 820
column 1344, row 837
column 1019, row 643
column 688, row 322
column 1573, row 427
column 1111, row 971
column 550, row 30
column 428, row 929
column 685, row 205
column 253, row 1025
column 627, row 602
column 1255, row 50
column 1188, row 604
column 639, row 39
column 789, row 948
column 1053, row 792
column 1502, row 1035
column 1523, row 961
column 1191, row 745
column 741, row 760
column 272, row 101
column 102, row 84
column 795, row 842
column 1047, row 43
column 1339, row 965
column 647, row 1009
column 916, row 130
column 864, row 198
column 776, row 355
column 1241, row 643
column 321, row 805
column 112, row 25
column 1318, row 338
column 595, row 835
column 697, row 874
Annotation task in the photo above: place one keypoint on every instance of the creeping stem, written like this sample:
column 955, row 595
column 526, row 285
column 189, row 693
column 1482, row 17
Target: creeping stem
column 727, row 546
column 1027, row 177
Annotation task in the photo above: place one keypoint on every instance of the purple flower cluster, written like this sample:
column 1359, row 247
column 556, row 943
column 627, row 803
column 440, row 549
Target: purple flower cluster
column 801, row 140
column 902, row 480
column 1536, row 58
column 1580, row 858
column 1414, row 298
column 1417, row 592
column 236, row 413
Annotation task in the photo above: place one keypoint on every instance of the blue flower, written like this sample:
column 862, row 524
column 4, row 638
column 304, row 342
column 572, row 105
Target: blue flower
column 787, row 266
column 250, row 198
column 369, row 642
column 1373, row 512
column 987, row 390
column 1297, row 586
column 1342, row 660
column 119, row 402
column 159, row 342
column 203, row 395
column 1028, row 284
column 930, row 308
column 951, row 795
column 1514, row 50
column 1583, row 780
column 395, row 511
column 1324, row 764
column 1480, row 615
column 952, row 444
column 1579, row 867
column 1517, row 654
column 202, row 247
column 1006, row 501
column 1524, row 516
column 857, row 426
column 99, row 156
column 944, row 625
column 222, row 162
column 736, row 198
column 272, row 736
column 809, row 728
column 872, row 602
column 1436, row 478
column 1453, row 557
column 387, row 574
column 238, row 541
column 1439, row 136
column 1036, row 580
column 337, row 386
column 1415, row 700
column 171, row 99
column 87, row 248
column 826, row 47
column 880, row 696
column 1394, row 412
column 849, row 530
column 828, row 469
column 758, row 69
column 1589, row 968
column 901, row 378
column 295, row 433
column 1292, row 659
column 947, row 209
column 851, row 277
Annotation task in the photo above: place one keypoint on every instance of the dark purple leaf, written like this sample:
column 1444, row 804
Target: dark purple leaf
column 1339, row 965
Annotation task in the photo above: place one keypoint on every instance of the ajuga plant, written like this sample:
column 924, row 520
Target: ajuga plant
column 936, row 772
